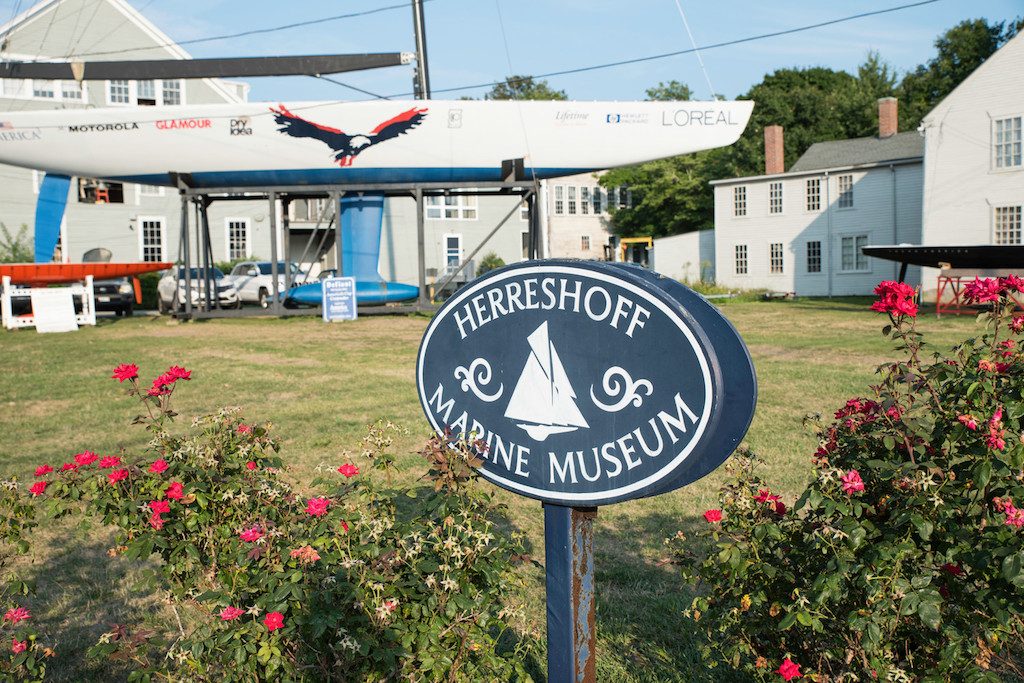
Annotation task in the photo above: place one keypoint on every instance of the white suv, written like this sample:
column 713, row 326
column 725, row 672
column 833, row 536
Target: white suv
column 254, row 281
column 170, row 290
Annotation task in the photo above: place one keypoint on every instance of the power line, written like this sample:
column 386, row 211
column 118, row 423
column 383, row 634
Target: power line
column 350, row 87
column 664, row 55
column 253, row 32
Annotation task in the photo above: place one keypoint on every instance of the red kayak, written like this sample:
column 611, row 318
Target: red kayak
column 37, row 274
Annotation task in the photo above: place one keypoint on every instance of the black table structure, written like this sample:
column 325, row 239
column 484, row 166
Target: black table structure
column 957, row 264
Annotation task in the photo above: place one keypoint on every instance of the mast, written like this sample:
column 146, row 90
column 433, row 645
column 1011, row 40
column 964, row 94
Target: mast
column 422, row 82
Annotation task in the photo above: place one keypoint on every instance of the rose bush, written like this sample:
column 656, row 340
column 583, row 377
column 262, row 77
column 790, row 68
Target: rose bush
column 904, row 557
column 351, row 579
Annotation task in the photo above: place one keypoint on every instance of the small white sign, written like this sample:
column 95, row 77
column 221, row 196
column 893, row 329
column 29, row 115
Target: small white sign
column 339, row 298
column 54, row 310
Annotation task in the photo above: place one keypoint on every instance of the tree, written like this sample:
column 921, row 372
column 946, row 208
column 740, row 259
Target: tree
column 671, row 91
column 524, row 88
column 961, row 50
column 15, row 248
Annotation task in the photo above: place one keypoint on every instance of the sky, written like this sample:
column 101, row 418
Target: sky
column 481, row 41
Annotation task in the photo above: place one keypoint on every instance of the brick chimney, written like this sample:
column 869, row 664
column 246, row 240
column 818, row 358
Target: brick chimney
column 774, row 150
column 888, row 117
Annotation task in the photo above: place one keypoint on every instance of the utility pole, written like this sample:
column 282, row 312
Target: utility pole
column 422, row 83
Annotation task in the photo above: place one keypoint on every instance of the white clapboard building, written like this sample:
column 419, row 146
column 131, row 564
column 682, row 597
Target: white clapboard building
column 802, row 230
column 974, row 168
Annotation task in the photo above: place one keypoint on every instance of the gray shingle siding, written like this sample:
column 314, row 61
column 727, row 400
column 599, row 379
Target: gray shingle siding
column 872, row 150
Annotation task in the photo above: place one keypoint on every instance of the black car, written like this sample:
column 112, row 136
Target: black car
column 114, row 295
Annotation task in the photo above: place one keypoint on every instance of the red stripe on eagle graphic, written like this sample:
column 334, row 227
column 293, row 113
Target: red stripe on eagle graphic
column 283, row 111
column 401, row 118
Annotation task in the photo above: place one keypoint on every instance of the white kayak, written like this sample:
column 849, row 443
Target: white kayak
column 384, row 141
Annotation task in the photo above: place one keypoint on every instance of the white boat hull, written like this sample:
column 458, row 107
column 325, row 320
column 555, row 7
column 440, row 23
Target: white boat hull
column 321, row 143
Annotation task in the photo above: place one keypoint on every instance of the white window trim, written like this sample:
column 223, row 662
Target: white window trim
column 444, row 248
column 821, row 257
column 460, row 208
column 867, row 259
column 746, row 202
column 782, row 198
column 138, row 192
column 839, row 195
column 782, row 270
column 746, row 260
column 992, row 143
column 992, row 224
column 163, row 234
column 227, row 235
column 133, row 93
column 820, row 195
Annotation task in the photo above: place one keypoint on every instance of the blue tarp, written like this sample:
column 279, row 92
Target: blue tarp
column 53, row 198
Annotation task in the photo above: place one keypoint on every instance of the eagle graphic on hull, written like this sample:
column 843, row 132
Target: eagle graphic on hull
column 345, row 145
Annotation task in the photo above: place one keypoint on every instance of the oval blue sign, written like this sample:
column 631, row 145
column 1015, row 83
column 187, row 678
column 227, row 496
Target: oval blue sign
column 591, row 383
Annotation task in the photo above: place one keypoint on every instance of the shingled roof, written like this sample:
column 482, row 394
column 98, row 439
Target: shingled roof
column 872, row 150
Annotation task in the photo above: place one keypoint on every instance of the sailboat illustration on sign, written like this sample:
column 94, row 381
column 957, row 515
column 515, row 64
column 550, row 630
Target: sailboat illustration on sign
column 543, row 398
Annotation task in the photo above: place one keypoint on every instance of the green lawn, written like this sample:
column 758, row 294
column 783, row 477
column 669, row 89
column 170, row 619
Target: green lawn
column 320, row 385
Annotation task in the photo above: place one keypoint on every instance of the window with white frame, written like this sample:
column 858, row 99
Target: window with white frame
column 814, row 194
column 152, row 239
column 775, row 257
column 171, row 91
column 524, row 211
column 739, row 200
column 1007, row 224
column 452, row 208
column 570, row 193
column 845, row 192
column 775, row 198
column 42, row 89
column 612, row 200
column 525, row 237
column 119, row 92
column 452, row 250
column 145, row 93
column 150, row 191
column 814, row 256
column 71, row 90
column 559, row 200
column 741, row 259
column 585, row 243
column 597, row 197
column 1006, row 142
column 625, row 198
column 237, row 238
column 853, row 259
column 584, row 200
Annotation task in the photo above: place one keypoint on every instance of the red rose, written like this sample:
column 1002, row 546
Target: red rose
column 349, row 470
column 175, row 490
column 16, row 614
column 273, row 621
column 18, row 645
column 231, row 613
column 250, row 465
column 125, row 371
column 788, row 670
column 713, row 516
column 251, row 535
column 896, row 298
column 43, row 470
column 86, row 458
column 110, row 461
column 117, row 475
column 317, row 507
column 243, row 429
column 160, row 506
column 68, row 466
column 981, row 291
column 176, row 372
column 38, row 488
column 158, row 466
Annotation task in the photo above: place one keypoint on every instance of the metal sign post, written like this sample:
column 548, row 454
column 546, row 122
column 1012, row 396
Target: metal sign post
column 590, row 384
column 569, row 583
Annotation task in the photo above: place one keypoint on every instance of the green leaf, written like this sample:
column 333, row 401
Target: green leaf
column 930, row 615
column 787, row 621
column 982, row 474
column 889, row 442
column 1011, row 569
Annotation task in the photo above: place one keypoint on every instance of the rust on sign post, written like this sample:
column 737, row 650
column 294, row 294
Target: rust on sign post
column 572, row 607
